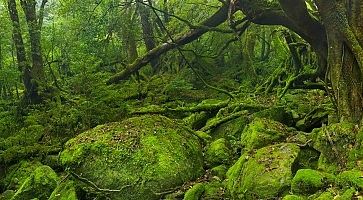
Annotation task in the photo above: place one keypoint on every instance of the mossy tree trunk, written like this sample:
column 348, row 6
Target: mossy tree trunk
column 343, row 22
column 337, row 41
column 32, row 74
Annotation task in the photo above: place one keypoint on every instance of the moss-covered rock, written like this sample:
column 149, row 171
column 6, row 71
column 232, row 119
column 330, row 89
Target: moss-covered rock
column 214, row 190
column 276, row 113
column 293, row 197
column 348, row 195
column 195, row 193
column 307, row 159
column 141, row 156
column 39, row 185
column 308, row 181
column 64, row 191
column 264, row 175
column 262, row 132
column 18, row 173
column 219, row 171
column 341, row 145
column 351, row 178
column 218, row 152
column 325, row 196
column 233, row 128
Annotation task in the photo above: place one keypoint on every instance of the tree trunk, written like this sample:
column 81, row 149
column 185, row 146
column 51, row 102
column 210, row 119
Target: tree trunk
column 148, row 33
column 343, row 22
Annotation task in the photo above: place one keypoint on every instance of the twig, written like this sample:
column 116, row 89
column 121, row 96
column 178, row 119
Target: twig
column 93, row 185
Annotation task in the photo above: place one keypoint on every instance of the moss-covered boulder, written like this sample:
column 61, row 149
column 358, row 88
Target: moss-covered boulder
column 18, row 173
column 262, row 132
column 341, row 145
column 351, row 178
column 294, row 197
column 276, row 113
column 39, row 184
column 308, row 181
column 65, row 191
column 141, row 156
column 195, row 193
column 325, row 196
column 218, row 152
column 263, row 175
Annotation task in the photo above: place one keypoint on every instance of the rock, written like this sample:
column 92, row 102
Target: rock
column 18, row 173
column 141, row 156
column 214, row 190
column 218, row 152
column 64, row 191
column 219, row 171
column 195, row 193
column 307, row 159
column 341, row 145
column 39, row 184
column 264, row 175
column 263, row 132
column 293, row 197
column 325, row 196
column 276, row 113
column 232, row 128
column 351, row 178
column 308, row 181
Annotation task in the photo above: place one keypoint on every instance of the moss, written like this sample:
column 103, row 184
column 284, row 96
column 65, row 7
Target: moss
column 214, row 190
column 218, row 152
column 325, row 196
column 18, row 173
column 219, row 171
column 197, row 120
column 351, row 178
column 39, row 185
column 232, row 128
column 64, row 191
column 307, row 159
column 264, row 175
column 277, row 113
column 327, row 166
column 347, row 195
column 141, row 156
column 7, row 195
column 293, row 197
column 262, row 132
column 32, row 134
column 336, row 142
column 195, row 193
column 308, row 181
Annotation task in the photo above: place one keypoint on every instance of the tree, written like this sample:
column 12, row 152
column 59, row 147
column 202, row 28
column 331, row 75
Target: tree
column 32, row 74
column 335, row 34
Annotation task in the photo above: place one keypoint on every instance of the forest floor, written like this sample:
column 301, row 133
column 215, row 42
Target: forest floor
column 173, row 138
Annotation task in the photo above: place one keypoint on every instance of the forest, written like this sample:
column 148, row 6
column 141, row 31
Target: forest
column 181, row 99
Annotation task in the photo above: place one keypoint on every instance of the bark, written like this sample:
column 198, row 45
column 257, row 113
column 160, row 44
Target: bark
column 218, row 18
column 344, row 32
column 148, row 34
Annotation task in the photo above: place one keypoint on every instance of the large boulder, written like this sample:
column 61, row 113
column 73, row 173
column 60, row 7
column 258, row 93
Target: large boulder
column 264, row 175
column 142, row 157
